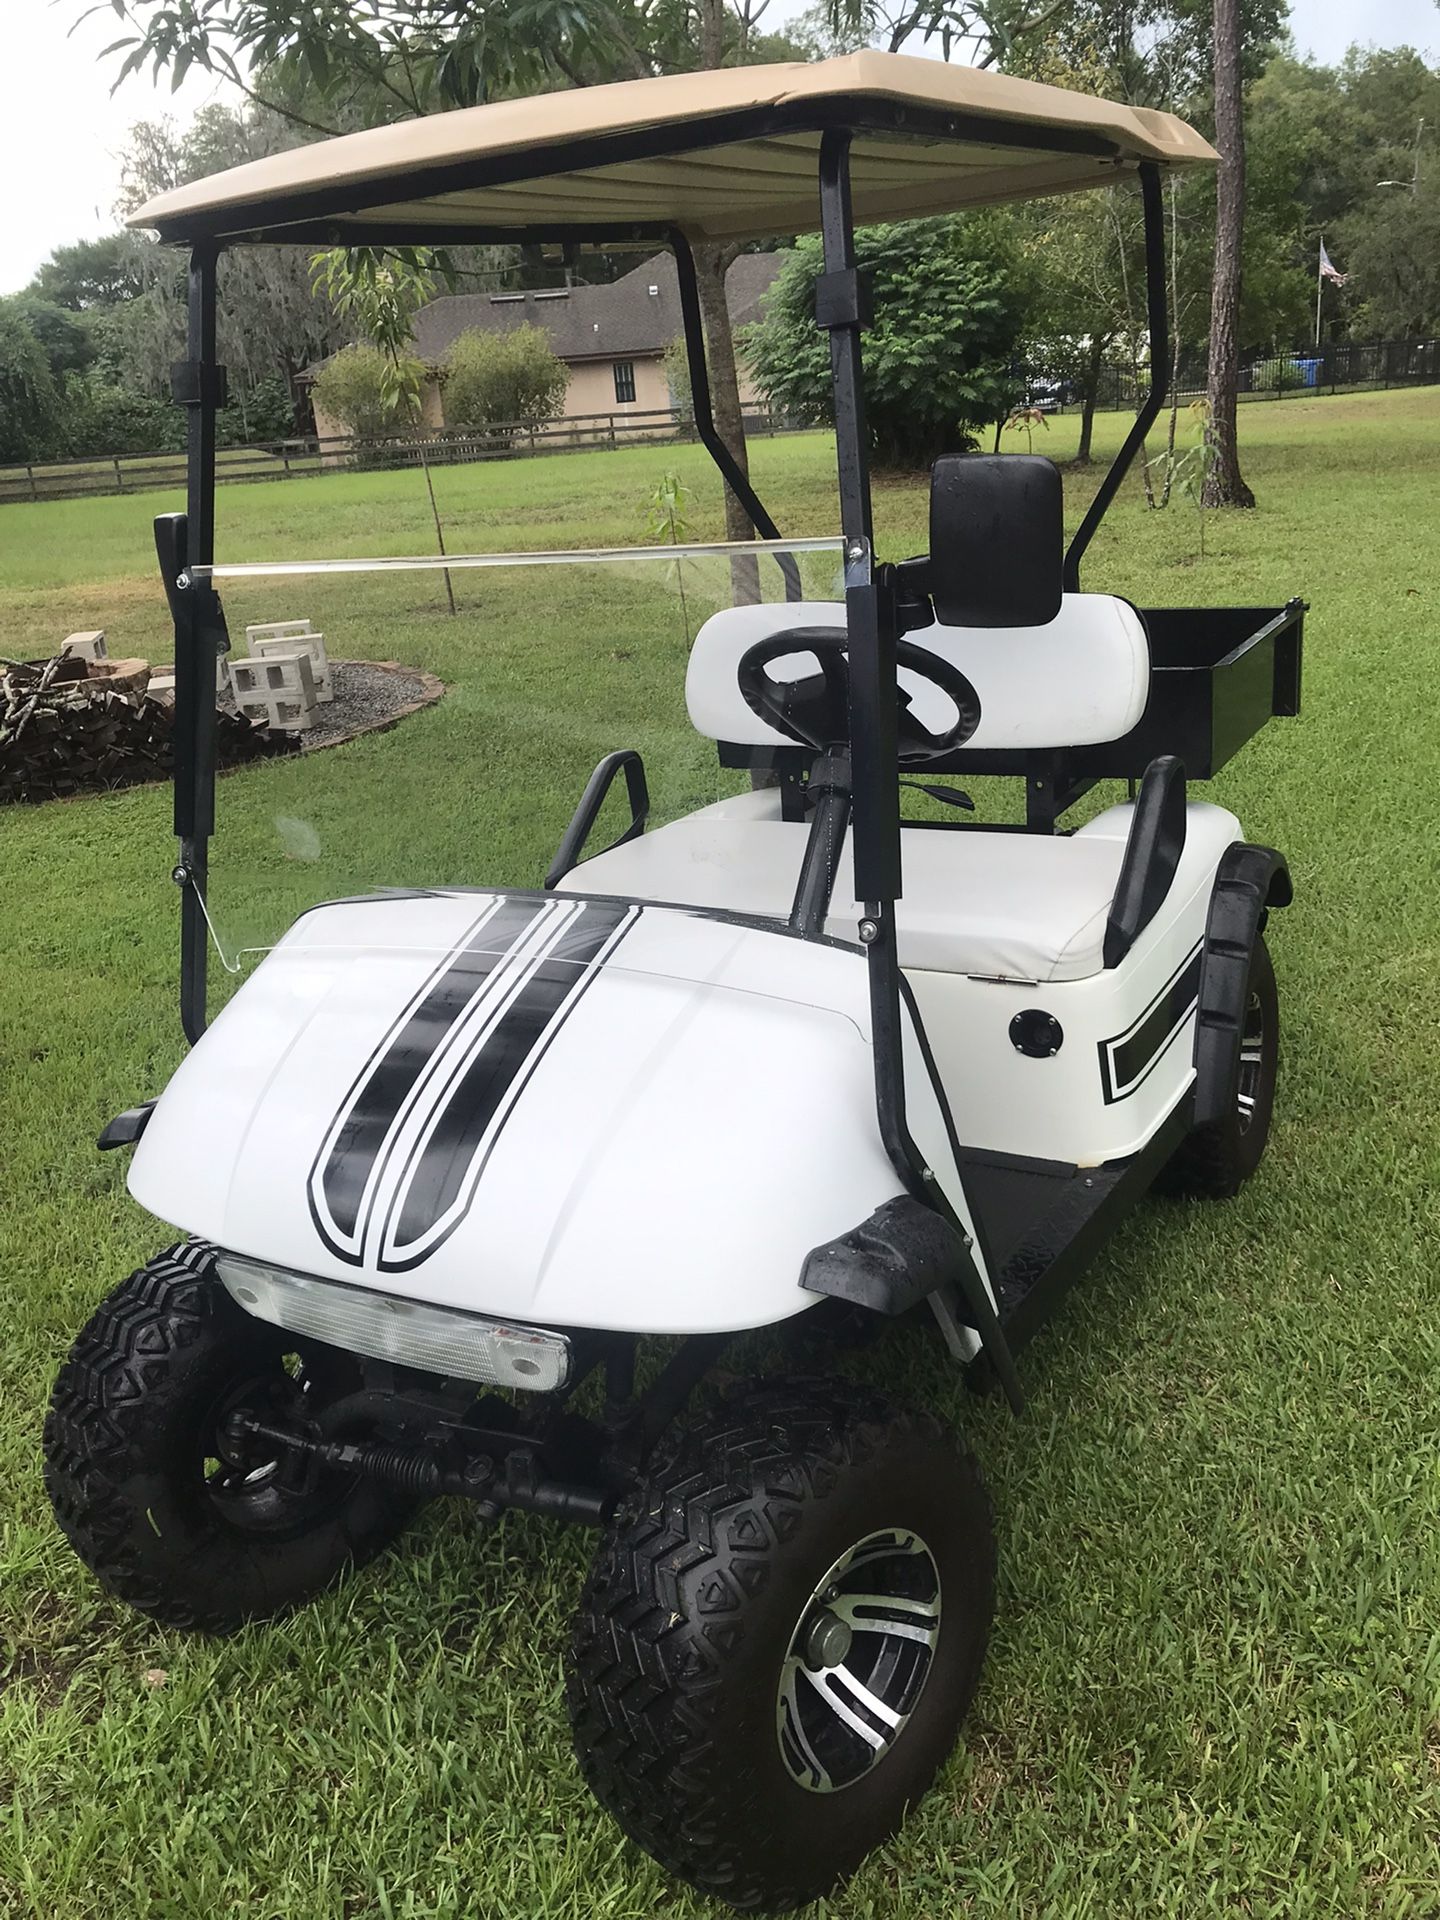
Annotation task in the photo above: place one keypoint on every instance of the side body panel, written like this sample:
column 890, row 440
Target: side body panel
column 1126, row 1057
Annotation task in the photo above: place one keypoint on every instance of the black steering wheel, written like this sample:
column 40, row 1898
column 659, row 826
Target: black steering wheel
column 815, row 709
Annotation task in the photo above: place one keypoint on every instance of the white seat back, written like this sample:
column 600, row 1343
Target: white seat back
column 1080, row 680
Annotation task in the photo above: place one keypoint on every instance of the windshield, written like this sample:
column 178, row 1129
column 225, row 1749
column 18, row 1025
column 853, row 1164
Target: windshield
column 455, row 714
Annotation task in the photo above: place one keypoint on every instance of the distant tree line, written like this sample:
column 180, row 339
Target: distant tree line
column 1347, row 152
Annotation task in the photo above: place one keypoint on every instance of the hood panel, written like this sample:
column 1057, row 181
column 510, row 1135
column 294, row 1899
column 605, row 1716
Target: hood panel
column 565, row 1111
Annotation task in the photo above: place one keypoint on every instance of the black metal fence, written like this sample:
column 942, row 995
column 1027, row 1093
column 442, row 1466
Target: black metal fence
column 1347, row 367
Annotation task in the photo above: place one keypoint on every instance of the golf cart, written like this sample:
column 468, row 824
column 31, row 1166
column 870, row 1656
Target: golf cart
column 451, row 1154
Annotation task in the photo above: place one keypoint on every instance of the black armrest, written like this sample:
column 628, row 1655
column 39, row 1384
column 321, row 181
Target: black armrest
column 572, row 841
column 1152, row 853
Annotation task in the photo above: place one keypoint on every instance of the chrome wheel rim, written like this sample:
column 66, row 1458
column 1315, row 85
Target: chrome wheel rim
column 858, row 1660
column 1252, row 1061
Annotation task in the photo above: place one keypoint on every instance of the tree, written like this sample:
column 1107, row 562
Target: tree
column 68, row 342
column 307, row 60
column 356, row 387
column 948, row 314
column 381, row 294
column 1392, row 255
column 90, row 273
column 30, row 418
column 499, row 379
column 1224, row 484
column 271, row 323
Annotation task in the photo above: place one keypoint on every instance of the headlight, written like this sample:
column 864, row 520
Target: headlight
column 411, row 1333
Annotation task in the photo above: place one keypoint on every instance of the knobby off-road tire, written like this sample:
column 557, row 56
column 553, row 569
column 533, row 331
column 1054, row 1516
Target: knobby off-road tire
column 133, row 1459
column 1215, row 1161
column 695, row 1607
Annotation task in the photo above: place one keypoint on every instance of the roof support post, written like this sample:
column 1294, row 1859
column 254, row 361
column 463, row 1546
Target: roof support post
column 1158, row 315
column 185, row 542
column 737, row 482
column 872, row 630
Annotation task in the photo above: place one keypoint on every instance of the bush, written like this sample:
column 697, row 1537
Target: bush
column 102, row 418
column 948, row 310
column 501, row 379
column 359, row 388
column 31, row 423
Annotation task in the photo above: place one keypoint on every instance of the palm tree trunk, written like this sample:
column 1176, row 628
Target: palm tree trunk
column 1224, row 484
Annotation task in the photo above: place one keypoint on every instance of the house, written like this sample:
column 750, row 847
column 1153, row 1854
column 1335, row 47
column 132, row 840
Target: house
column 612, row 338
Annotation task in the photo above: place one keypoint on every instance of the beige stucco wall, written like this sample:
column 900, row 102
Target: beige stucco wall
column 591, row 392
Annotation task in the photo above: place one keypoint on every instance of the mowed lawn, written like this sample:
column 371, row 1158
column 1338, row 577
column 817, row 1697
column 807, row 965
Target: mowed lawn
column 1214, row 1686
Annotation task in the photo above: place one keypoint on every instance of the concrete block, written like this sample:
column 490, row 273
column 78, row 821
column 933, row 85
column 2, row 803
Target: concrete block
column 278, row 629
column 263, row 644
column 278, row 688
column 85, row 646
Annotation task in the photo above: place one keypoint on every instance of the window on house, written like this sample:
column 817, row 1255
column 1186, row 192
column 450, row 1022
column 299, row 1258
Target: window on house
column 624, row 381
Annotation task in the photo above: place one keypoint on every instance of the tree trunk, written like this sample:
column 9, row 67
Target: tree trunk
column 1089, row 394
column 712, row 263
column 1224, row 485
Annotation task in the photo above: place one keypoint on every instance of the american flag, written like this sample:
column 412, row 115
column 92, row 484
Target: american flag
column 1328, row 270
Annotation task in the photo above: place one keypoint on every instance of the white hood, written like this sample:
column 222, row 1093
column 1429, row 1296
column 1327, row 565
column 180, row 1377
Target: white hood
column 571, row 1112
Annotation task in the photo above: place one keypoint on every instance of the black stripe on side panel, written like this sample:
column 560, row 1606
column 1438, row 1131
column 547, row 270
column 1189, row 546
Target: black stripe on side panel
column 438, row 1180
column 1126, row 1061
column 388, row 1080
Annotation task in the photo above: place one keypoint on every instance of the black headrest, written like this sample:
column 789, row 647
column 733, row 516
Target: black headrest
column 997, row 540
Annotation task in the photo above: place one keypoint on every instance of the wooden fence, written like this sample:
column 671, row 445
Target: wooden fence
column 1349, row 366
column 286, row 459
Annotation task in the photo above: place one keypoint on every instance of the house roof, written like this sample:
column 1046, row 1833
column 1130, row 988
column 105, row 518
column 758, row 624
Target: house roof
column 724, row 155
column 636, row 315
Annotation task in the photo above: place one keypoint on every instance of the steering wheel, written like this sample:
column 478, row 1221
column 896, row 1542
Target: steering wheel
column 815, row 709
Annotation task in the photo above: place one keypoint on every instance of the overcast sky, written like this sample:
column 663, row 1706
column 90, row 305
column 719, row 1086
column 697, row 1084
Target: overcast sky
column 60, row 132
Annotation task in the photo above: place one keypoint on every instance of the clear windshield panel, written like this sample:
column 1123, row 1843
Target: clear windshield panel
column 454, row 747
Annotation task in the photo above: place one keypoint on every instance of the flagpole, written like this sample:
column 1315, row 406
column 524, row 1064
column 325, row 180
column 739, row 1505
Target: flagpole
column 1319, row 287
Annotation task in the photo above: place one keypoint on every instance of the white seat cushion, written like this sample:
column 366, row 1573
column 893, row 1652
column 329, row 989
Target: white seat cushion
column 1082, row 679
column 1014, row 905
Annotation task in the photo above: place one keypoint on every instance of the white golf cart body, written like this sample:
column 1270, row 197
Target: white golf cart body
column 665, row 1094
column 795, row 1051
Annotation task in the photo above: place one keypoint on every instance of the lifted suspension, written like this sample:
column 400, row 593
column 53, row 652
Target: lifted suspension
column 514, row 1480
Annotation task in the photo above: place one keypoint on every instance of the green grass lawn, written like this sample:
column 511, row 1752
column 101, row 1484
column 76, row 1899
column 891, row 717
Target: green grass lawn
column 1214, row 1686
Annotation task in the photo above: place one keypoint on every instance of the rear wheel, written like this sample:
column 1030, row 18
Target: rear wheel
column 147, row 1484
column 781, row 1634
column 1216, row 1160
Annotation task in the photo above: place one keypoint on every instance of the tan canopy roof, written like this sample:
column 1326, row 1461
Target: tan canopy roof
column 726, row 154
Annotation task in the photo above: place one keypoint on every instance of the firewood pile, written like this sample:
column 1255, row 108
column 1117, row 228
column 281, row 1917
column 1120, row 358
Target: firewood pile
column 64, row 730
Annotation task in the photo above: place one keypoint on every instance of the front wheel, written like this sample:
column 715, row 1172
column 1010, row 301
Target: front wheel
column 781, row 1634
column 147, row 1488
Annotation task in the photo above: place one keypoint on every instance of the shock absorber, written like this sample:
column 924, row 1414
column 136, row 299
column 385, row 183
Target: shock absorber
column 408, row 1469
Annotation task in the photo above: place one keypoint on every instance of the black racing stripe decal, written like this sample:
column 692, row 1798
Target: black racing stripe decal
column 1126, row 1060
column 387, row 1080
column 438, row 1181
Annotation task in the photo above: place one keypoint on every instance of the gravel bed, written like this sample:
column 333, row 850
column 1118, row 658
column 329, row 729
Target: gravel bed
column 364, row 694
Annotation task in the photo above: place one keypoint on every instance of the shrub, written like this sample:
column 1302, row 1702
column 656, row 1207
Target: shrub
column 497, row 379
column 948, row 310
column 102, row 418
column 359, row 388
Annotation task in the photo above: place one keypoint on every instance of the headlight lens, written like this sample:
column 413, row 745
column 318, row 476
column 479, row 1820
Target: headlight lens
column 410, row 1333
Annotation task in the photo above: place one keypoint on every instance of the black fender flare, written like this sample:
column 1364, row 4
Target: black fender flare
column 1249, row 881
